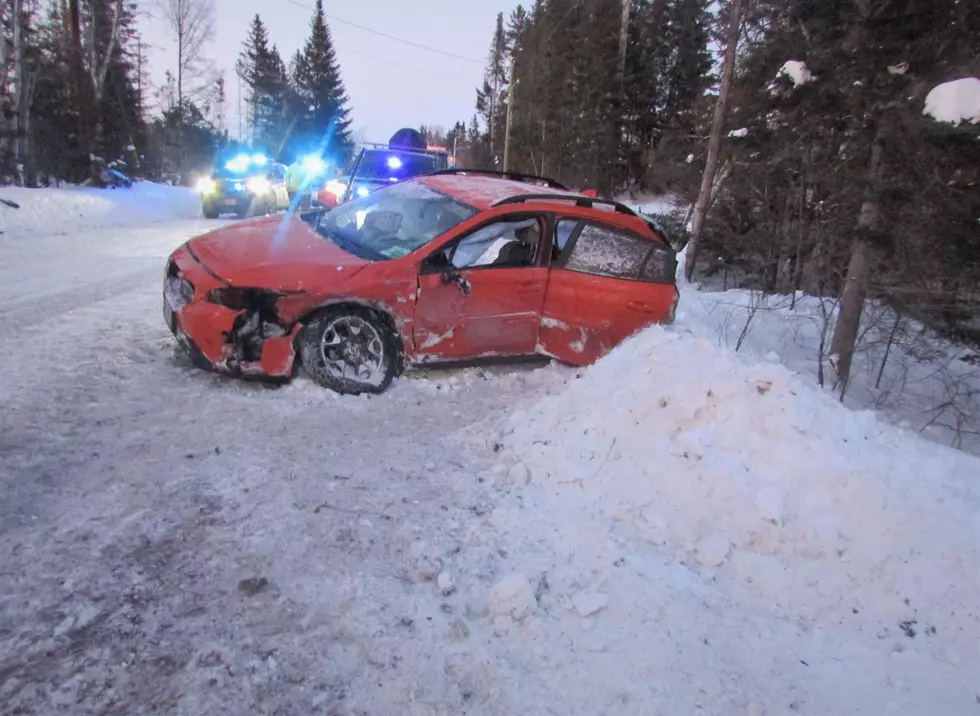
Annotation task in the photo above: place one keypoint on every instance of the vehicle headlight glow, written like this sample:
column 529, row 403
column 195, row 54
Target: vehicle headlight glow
column 362, row 191
column 313, row 164
column 205, row 185
column 394, row 163
column 258, row 185
column 337, row 188
column 260, row 160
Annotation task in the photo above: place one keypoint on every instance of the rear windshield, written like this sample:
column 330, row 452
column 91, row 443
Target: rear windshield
column 394, row 166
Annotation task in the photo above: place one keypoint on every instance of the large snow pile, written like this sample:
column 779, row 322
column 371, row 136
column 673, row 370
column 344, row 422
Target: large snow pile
column 782, row 527
column 66, row 211
column 955, row 102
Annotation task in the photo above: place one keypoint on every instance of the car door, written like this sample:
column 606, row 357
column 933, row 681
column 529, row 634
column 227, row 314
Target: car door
column 481, row 294
column 606, row 283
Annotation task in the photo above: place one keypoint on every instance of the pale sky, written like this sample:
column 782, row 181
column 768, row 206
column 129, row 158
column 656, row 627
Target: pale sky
column 390, row 84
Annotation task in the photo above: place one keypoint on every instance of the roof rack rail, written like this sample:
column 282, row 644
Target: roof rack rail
column 584, row 201
column 515, row 176
column 589, row 202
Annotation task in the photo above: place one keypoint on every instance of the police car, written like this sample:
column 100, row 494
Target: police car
column 245, row 185
column 378, row 165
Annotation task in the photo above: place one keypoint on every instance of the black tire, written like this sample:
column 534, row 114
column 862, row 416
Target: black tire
column 332, row 321
column 210, row 211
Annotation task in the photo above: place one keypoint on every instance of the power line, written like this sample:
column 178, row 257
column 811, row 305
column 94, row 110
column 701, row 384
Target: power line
column 410, row 43
column 366, row 55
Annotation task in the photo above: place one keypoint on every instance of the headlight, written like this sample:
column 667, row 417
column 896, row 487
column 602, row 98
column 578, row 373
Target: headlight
column 337, row 188
column 258, row 185
column 363, row 191
column 205, row 185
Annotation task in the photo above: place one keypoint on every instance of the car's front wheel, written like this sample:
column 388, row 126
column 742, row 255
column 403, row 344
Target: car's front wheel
column 350, row 350
column 210, row 211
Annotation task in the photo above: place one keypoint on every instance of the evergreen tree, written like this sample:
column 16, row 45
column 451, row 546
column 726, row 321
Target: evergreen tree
column 252, row 68
column 490, row 97
column 323, row 114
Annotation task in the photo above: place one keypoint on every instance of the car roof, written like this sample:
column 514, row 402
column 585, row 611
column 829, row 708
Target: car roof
column 482, row 191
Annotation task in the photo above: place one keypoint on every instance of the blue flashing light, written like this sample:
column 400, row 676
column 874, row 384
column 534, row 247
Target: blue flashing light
column 362, row 191
column 313, row 164
column 260, row 160
column 394, row 163
column 238, row 164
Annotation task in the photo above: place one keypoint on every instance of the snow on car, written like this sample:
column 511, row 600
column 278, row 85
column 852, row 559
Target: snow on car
column 450, row 267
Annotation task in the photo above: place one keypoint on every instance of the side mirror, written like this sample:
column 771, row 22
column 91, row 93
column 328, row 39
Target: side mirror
column 327, row 198
column 312, row 217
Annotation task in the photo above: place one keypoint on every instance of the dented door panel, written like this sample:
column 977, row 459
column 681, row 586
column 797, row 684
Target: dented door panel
column 490, row 311
column 585, row 316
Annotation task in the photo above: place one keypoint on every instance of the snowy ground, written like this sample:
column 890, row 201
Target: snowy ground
column 677, row 530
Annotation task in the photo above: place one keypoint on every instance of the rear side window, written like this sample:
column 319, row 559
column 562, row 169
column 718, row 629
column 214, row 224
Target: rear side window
column 604, row 251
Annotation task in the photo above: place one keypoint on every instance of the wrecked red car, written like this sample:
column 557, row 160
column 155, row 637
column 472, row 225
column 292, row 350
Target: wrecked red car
column 450, row 267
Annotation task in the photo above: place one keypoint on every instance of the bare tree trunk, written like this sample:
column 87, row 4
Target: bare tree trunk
column 180, row 105
column 21, row 107
column 855, row 289
column 80, row 85
column 714, row 142
column 623, row 33
column 511, row 87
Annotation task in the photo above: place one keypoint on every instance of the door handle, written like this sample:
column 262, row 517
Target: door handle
column 527, row 288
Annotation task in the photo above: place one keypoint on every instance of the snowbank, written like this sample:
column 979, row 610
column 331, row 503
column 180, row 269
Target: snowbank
column 912, row 379
column 652, row 204
column 955, row 102
column 691, row 464
column 65, row 211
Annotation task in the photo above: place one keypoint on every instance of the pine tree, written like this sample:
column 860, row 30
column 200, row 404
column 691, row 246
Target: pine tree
column 323, row 114
column 490, row 97
column 252, row 68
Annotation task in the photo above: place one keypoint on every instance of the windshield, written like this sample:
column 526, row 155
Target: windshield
column 393, row 166
column 392, row 222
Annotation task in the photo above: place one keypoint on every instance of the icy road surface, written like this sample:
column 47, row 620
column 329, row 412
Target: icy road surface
column 673, row 531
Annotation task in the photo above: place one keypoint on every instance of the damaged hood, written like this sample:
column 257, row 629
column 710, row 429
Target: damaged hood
column 276, row 252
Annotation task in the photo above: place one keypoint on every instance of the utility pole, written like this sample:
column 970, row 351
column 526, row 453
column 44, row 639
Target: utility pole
column 512, row 85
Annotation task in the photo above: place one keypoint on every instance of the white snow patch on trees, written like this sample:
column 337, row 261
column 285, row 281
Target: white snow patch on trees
column 739, row 133
column 797, row 71
column 955, row 102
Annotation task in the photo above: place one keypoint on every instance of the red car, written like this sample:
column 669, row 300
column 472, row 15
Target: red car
column 451, row 267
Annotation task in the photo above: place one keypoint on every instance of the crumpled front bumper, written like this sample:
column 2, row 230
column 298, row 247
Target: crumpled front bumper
column 213, row 335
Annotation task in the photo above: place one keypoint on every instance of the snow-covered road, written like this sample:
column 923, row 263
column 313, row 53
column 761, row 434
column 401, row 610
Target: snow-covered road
column 673, row 531
column 45, row 276
column 177, row 542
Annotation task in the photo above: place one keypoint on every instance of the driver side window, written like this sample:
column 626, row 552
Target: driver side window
column 504, row 244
